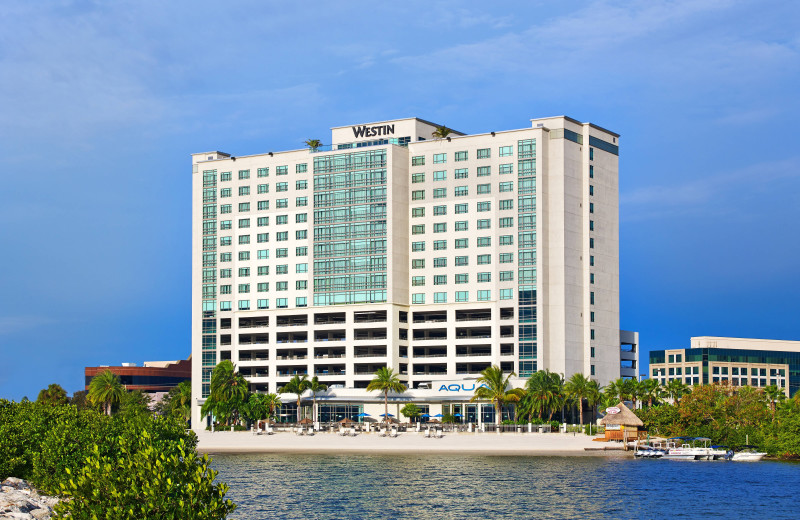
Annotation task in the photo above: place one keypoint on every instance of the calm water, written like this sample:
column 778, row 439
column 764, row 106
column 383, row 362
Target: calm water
column 445, row 487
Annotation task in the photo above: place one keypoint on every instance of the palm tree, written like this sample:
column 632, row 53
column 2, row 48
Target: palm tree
column 296, row 385
column 675, row 389
column 650, row 390
column 183, row 399
column 314, row 144
column 577, row 388
column 54, row 394
column 441, row 132
column 228, row 391
column 545, row 390
column 593, row 397
column 621, row 389
column 105, row 388
column 315, row 386
column 494, row 388
column 774, row 394
column 386, row 380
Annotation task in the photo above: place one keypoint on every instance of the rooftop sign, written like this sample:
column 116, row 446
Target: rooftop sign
column 372, row 131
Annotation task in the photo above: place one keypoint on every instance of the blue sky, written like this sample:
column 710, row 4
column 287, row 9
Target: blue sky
column 103, row 102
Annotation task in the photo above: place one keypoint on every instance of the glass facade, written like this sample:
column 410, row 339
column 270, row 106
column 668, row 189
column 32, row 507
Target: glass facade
column 209, row 314
column 526, row 252
column 350, row 228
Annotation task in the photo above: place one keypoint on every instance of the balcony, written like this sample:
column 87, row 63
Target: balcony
column 328, row 353
column 370, row 352
column 253, row 339
column 292, row 337
column 369, row 317
column 473, row 350
column 430, row 334
column 249, row 323
column 474, row 315
column 297, row 320
column 329, row 335
column 430, row 317
column 369, row 334
column 473, row 332
column 330, row 318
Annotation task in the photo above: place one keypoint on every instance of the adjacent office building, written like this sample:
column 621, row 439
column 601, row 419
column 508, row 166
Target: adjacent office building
column 733, row 361
column 436, row 257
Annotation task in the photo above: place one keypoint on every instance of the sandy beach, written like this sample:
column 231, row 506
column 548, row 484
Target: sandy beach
column 408, row 442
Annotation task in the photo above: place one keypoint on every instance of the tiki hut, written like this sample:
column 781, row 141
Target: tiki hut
column 621, row 423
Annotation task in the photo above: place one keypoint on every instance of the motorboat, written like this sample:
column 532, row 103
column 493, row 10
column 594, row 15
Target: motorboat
column 689, row 449
column 747, row 453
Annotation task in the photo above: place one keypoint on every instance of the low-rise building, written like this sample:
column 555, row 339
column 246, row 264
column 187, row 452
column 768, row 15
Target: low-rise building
column 734, row 361
column 152, row 377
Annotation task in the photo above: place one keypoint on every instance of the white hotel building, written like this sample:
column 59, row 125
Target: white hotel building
column 435, row 257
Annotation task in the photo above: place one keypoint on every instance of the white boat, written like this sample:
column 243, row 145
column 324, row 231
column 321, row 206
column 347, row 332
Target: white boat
column 747, row 454
column 688, row 450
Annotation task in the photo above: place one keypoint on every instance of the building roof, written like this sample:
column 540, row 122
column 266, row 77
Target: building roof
column 625, row 417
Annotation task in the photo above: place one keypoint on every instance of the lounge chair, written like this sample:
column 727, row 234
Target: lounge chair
column 270, row 430
column 393, row 433
column 352, row 432
column 383, row 432
column 428, row 433
column 438, row 434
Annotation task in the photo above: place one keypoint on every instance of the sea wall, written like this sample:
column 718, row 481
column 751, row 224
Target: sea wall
column 19, row 500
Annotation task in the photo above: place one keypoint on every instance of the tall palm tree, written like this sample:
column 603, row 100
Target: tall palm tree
column 183, row 399
column 314, row 144
column 577, row 388
column 774, row 395
column 441, row 132
column 621, row 389
column 675, row 389
column 315, row 386
column 545, row 390
column 105, row 388
column 650, row 390
column 54, row 394
column 296, row 385
column 273, row 402
column 386, row 381
column 593, row 396
column 227, row 393
column 494, row 388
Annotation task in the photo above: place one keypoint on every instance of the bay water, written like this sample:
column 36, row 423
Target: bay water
column 450, row 487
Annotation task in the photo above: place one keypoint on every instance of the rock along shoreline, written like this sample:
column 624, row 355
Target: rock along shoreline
column 19, row 500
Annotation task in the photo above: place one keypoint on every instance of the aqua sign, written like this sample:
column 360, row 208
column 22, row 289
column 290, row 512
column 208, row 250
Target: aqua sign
column 456, row 387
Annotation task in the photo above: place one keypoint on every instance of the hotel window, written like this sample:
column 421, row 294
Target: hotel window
column 244, row 223
column 244, row 174
column 591, row 190
column 282, row 170
column 484, row 241
column 301, row 285
column 461, row 173
column 439, row 158
column 591, row 260
column 244, row 305
column 506, row 168
column 244, row 206
column 591, row 354
column 263, row 221
column 591, row 154
column 591, row 298
column 282, row 303
column 461, row 156
column 462, row 278
column 282, row 236
column 440, row 175
column 417, row 178
column 244, row 288
column 506, row 294
column 591, row 277
column 417, row 281
column 301, row 234
column 484, row 259
column 263, row 205
column 417, row 212
column 418, row 298
column 484, row 277
column 484, row 223
column 263, row 172
column 225, row 241
column 439, row 210
column 282, row 186
column 507, row 204
column 591, row 171
column 484, row 189
column 591, row 243
column 506, row 240
column 484, row 206
column 418, row 195
column 440, row 262
column 591, row 225
column 301, row 268
column 417, row 246
column 461, row 225
column 439, row 193
column 301, row 185
column 301, row 301
column 461, row 191
column 225, row 306
column 418, row 161
column 418, row 263
column 462, row 243
column 244, row 190
column 506, row 186
column 244, row 255
column 439, row 245
column 225, row 273
column 461, row 208
column 506, row 222
column 226, row 208
column 282, row 269
column 506, row 258
column 301, row 217
column 506, row 151
column 441, row 227
column 281, row 220
column 462, row 296
column 484, row 296
column 225, row 192
column 418, row 229
column 591, row 316
column 440, row 279
column 282, row 203
column 225, row 289
column 461, row 261
column 244, row 239
column 440, row 297
column 484, row 153
column 262, row 254
column 506, row 276
column 301, row 168
column 484, row 171
column 592, row 370
column 591, row 334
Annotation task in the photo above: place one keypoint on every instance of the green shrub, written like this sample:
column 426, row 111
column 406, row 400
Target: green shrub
column 140, row 481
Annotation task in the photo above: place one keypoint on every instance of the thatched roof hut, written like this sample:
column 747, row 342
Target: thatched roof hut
column 621, row 425
column 625, row 417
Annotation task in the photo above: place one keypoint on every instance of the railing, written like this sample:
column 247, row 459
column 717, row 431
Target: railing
column 429, row 320
column 444, row 338
column 473, row 354
column 330, row 339
column 357, row 338
column 286, row 358
column 292, row 341
column 292, row 324
column 477, row 318
column 416, row 356
column 373, row 354
column 329, row 356
column 330, row 322
column 380, row 320
column 254, row 359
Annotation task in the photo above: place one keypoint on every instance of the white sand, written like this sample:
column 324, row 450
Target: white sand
column 407, row 442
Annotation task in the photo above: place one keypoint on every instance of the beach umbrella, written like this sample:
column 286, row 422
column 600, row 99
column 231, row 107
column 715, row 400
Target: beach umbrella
column 306, row 421
column 458, row 415
column 438, row 415
column 362, row 415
